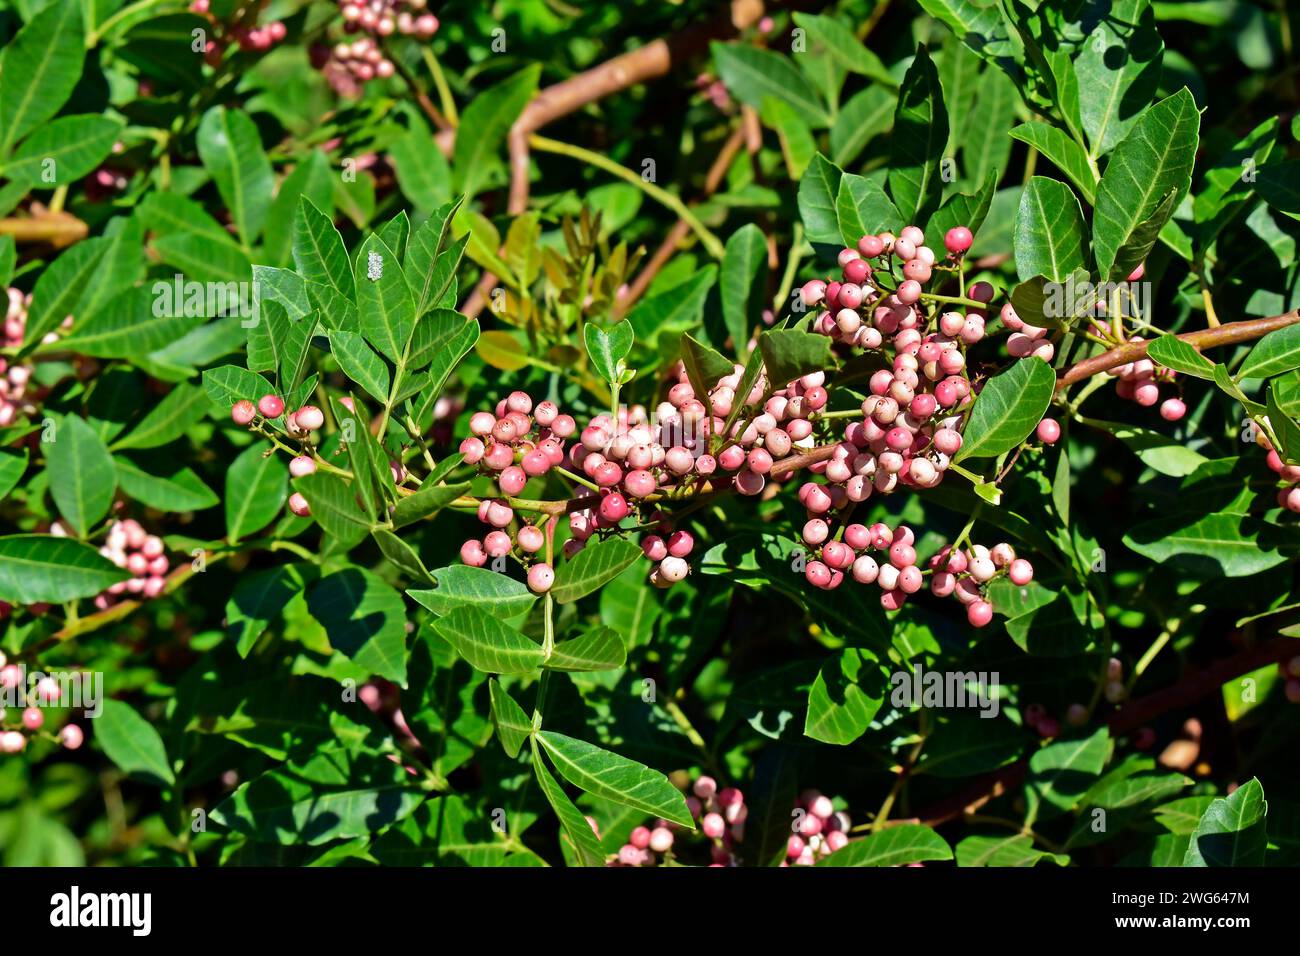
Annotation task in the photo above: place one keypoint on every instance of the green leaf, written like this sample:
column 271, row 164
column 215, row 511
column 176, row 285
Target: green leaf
column 704, row 366
column 751, row 74
column 1010, row 406
column 845, row 48
column 81, row 474
column 360, row 363
column 311, row 180
column 1231, row 545
column 1117, row 67
column 1064, row 153
column 490, row 115
column 819, row 190
column 797, row 143
column 1154, row 159
column 127, row 327
column 384, row 299
column 331, row 794
column 1275, row 353
column 893, row 846
column 365, row 619
column 791, row 353
column 867, row 114
column 333, row 505
column 608, row 348
column 460, row 584
column 593, row 566
column 1232, row 831
column 1172, row 352
column 1163, row 453
column 40, row 68
column 12, row 468
column 918, row 141
column 1050, row 238
column 132, row 743
column 178, row 490
column 1278, row 185
column 1016, row 849
column 575, row 826
column 168, row 420
column 318, row 250
column 1284, row 427
column 66, row 149
column 230, row 147
column 1061, row 772
column 600, row 649
column 229, row 384
column 426, row 503
column 422, row 171
column 844, row 698
column 257, row 486
column 512, row 724
column 743, row 285
column 258, row 599
column 488, row 644
column 60, row 286
column 863, row 208
column 40, row 568
column 607, row 775
column 430, row 262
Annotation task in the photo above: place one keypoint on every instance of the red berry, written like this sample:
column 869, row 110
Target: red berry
column 271, row 406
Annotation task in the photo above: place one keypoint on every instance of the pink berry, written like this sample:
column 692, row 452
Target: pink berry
column 309, row 418
column 957, row 240
column 714, row 826
column 613, row 507
column 302, row 465
column 243, row 412
column 979, row 613
column 1021, row 572
column 1049, row 431
column 540, row 578
column 271, row 406
column 72, row 736
column 1172, row 409
column 298, row 505
column 661, row 839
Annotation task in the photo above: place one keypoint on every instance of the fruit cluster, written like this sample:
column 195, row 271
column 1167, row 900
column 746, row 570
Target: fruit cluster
column 1289, row 495
column 819, row 830
column 129, row 546
column 301, row 424
column 47, row 692
column 242, row 29
column 14, row 376
column 721, row 817
column 349, row 65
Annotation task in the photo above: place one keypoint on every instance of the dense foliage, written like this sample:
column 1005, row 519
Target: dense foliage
column 639, row 433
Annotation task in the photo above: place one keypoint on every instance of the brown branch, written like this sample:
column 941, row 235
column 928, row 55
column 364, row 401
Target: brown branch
column 615, row 75
column 681, row 230
column 59, row 229
column 1228, row 334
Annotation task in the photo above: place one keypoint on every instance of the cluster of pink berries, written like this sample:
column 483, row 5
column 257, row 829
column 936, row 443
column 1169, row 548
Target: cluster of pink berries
column 129, row 546
column 47, row 692
column 348, row 66
column 963, row 574
column 819, row 830
column 250, row 39
column 1041, row 722
column 1140, row 382
column 301, row 424
column 14, row 376
column 1289, row 496
column 721, row 817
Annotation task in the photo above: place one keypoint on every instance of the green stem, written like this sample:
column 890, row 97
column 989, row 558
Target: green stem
column 710, row 241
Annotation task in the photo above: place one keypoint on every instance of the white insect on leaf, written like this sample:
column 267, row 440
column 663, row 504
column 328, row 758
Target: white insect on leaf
column 374, row 266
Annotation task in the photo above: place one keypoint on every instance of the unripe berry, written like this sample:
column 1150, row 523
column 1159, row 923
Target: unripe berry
column 818, row 574
column 496, row 544
column 714, row 826
column 530, row 538
column 309, row 418
column 540, row 578
column 1049, row 431
column 673, row 569
column 681, row 544
column 512, row 480
column 1021, row 572
column 72, row 736
column 654, row 547
column 271, row 406
column 661, row 840
column 302, row 465
column 33, row 718
column 298, row 505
